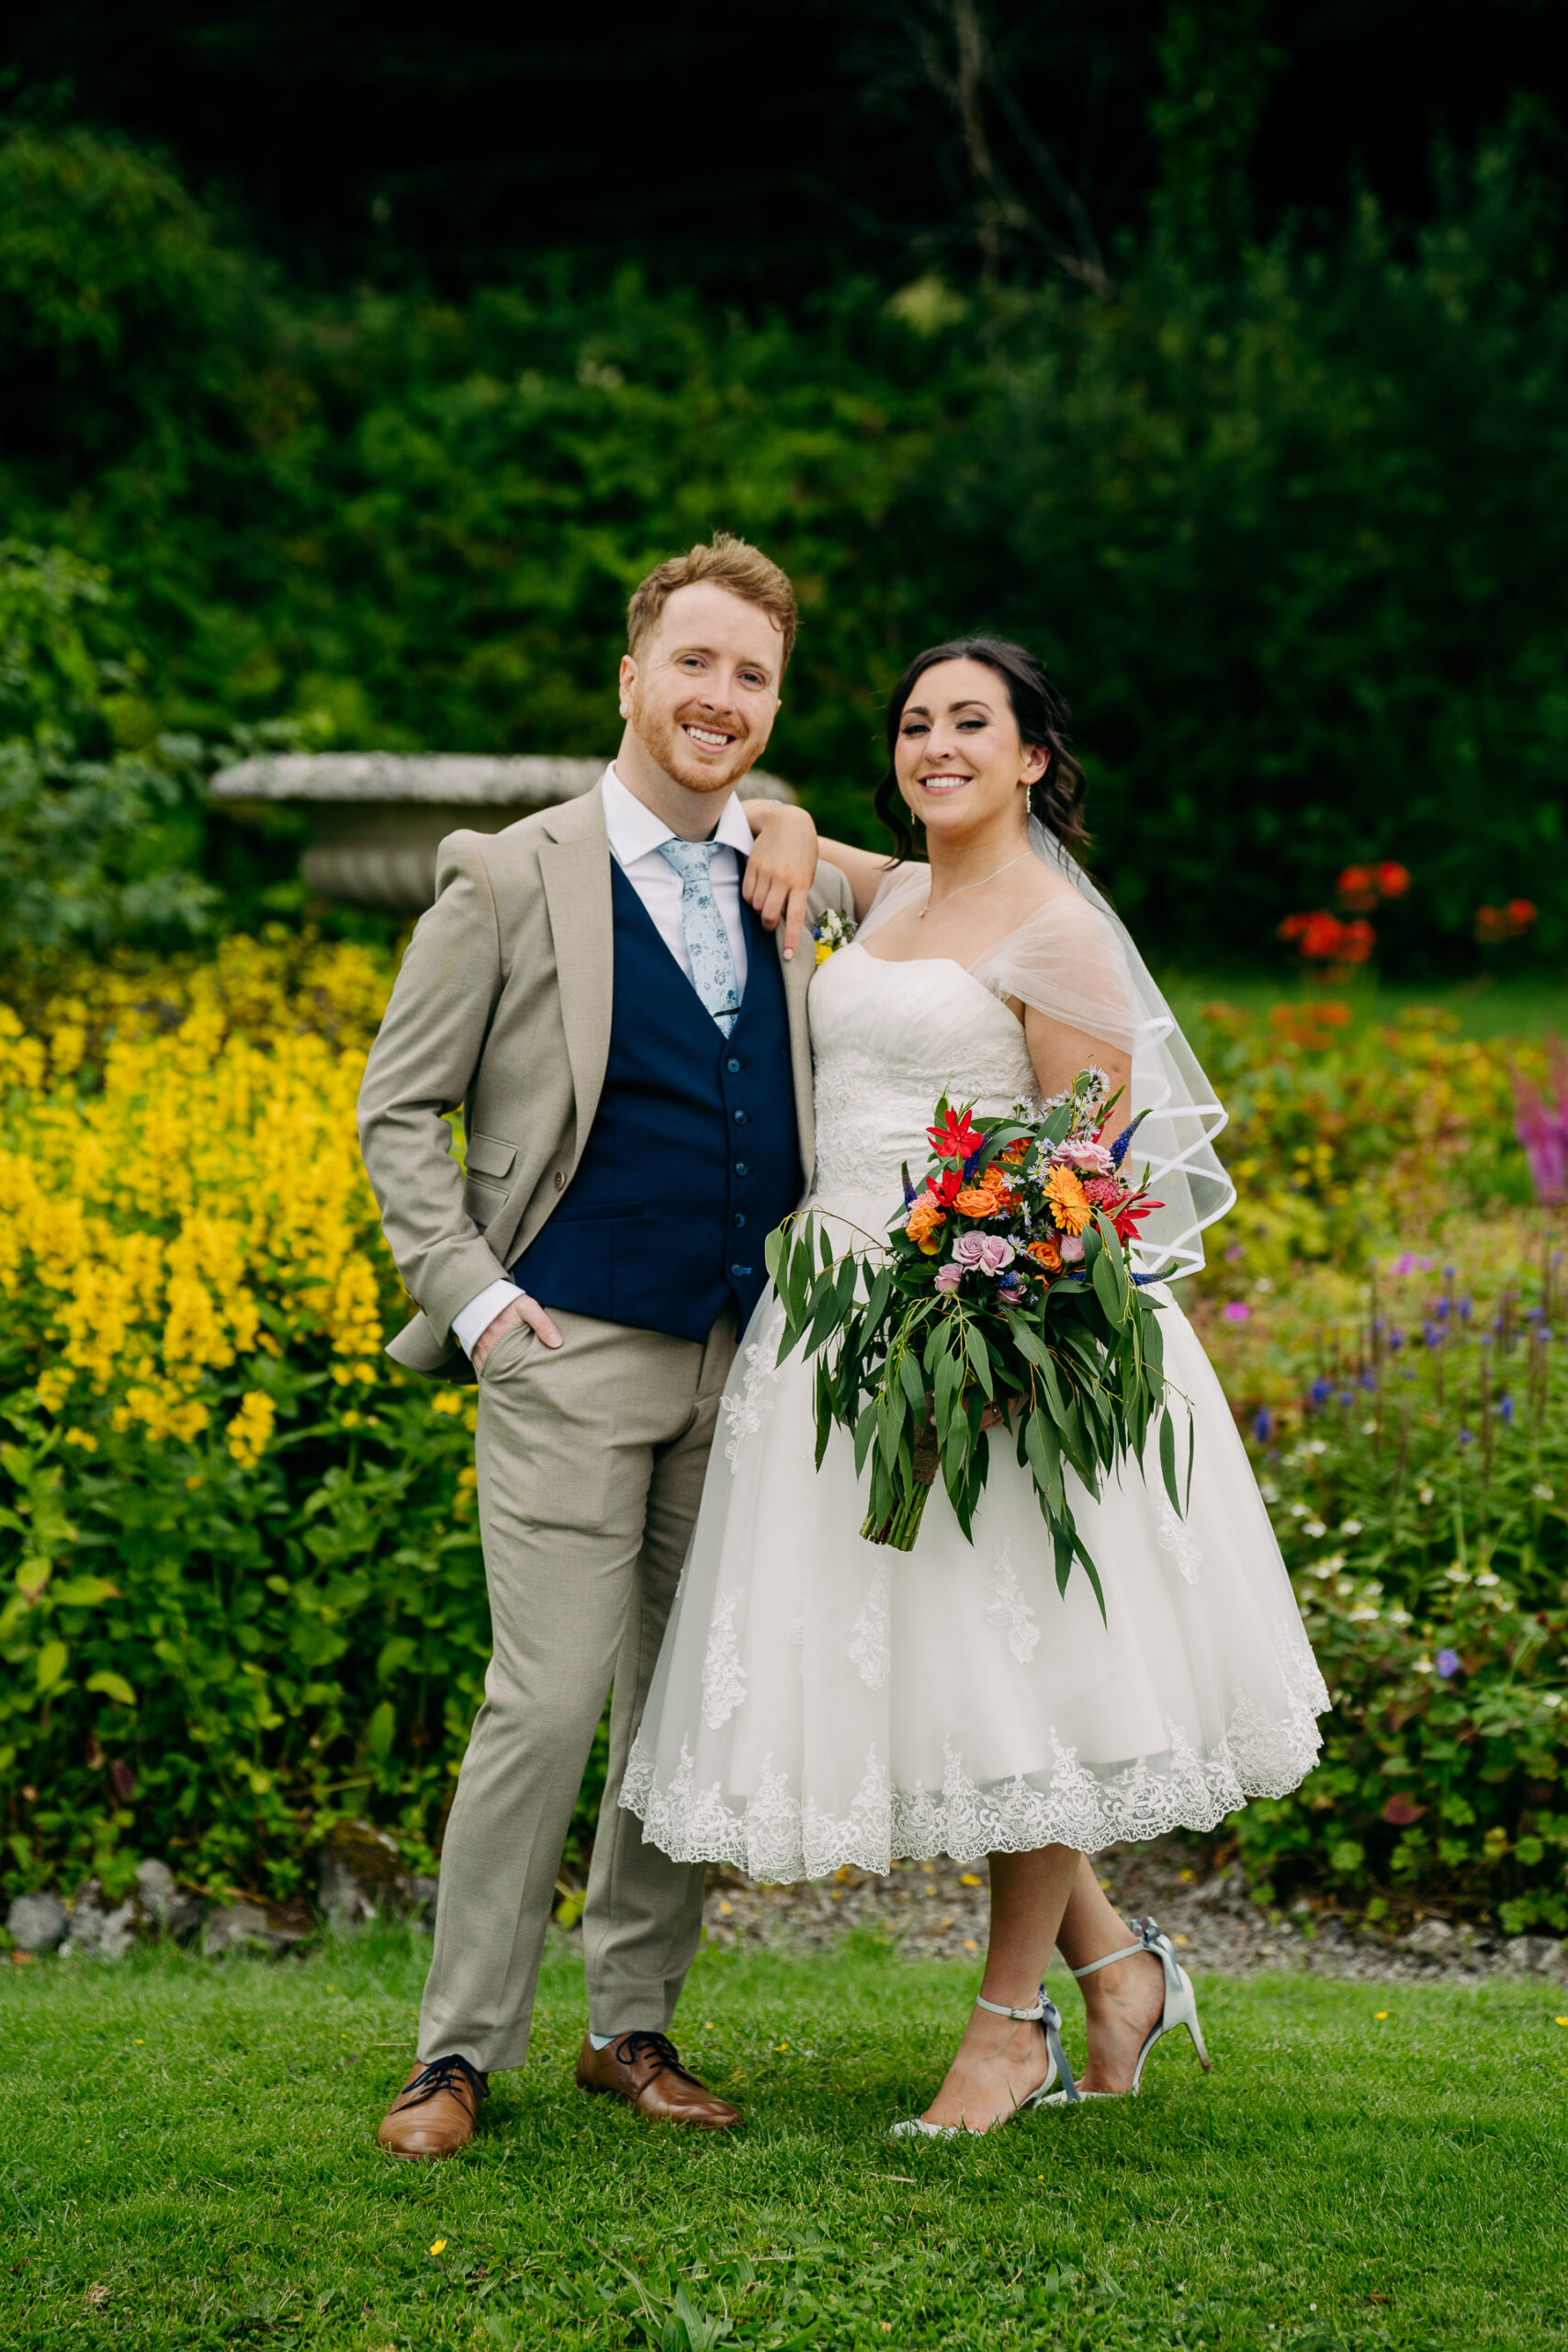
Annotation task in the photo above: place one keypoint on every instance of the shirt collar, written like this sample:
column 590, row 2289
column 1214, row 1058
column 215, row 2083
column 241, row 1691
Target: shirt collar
column 635, row 832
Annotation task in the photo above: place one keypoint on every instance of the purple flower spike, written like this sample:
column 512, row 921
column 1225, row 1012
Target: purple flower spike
column 1446, row 1663
column 1263, row 1425
column 1506, row 1411
column 1320, row 1391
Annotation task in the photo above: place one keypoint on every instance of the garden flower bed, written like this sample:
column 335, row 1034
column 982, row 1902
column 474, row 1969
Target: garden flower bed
column 244, row 1600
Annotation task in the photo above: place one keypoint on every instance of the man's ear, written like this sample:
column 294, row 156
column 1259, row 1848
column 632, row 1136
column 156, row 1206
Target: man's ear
column 628, row 680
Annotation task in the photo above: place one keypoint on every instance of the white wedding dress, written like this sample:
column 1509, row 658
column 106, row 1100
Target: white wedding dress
column 821, row 1700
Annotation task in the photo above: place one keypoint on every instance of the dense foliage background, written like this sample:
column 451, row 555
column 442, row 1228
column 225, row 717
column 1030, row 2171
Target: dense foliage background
column 1271, row 468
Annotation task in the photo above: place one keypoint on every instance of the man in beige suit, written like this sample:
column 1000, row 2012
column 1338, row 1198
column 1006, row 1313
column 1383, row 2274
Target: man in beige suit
column 631, row 1050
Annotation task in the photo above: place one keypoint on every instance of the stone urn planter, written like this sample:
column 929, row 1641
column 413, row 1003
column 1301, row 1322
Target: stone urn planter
column 376, row 817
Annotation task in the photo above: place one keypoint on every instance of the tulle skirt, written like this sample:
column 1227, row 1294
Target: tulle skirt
column 820, row 1700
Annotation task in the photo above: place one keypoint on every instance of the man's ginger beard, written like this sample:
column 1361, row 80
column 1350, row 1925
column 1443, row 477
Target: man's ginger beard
column 664, row 742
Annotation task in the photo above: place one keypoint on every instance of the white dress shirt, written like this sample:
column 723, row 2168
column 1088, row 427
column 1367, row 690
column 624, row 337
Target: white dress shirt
column 635, row 835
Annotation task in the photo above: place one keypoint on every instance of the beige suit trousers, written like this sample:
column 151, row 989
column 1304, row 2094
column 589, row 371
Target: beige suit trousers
column 591, row 1460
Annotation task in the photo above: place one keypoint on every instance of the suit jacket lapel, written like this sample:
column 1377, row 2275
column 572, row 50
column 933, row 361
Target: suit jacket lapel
column 797, row 980
column 574, row 866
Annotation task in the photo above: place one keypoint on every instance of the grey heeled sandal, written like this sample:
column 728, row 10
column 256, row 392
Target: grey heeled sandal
column 1180, row 2006
column 1048, row 2017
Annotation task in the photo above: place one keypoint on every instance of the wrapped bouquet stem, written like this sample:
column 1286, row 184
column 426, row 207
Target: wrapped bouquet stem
column 1004, row 1298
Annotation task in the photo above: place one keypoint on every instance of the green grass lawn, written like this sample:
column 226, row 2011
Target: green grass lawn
column 1488, row 1006
column 187, row 2161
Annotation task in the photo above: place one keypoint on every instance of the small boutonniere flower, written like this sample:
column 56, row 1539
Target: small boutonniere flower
column 834, row 931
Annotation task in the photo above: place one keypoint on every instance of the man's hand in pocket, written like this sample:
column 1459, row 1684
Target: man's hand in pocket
column 520, row 1310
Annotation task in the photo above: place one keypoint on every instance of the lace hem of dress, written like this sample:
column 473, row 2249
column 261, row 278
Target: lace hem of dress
column 776, row 1839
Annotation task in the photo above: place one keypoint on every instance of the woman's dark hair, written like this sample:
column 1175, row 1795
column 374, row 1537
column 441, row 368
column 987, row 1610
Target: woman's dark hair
column 1042, row 716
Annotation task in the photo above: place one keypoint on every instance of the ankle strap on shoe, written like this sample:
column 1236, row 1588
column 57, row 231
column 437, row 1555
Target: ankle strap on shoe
column 1036, row 2016
column 1048, row 2017
column 1149, row 1940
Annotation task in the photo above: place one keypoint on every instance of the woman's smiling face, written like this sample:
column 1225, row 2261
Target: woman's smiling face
column 959, row 764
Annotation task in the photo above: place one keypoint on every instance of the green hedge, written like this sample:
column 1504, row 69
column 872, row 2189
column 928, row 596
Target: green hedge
column 1293, row 532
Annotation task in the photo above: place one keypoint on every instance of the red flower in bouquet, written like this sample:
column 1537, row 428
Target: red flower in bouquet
column 955, row 1138
column 1127, row 1220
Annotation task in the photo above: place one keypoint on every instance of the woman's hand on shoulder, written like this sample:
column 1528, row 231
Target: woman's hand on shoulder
column 782, row 866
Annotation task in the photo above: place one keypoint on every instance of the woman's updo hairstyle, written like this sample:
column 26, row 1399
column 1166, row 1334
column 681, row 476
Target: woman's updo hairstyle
column 1042, row 716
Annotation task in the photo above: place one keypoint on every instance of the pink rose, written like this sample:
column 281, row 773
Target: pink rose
column 987, row 1253
column 1071, row 1247
column 1089, row 1158
column 949, row 1277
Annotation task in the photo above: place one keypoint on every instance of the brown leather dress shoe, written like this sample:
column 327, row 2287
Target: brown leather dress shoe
column 433, row 2114
column 643, row 2069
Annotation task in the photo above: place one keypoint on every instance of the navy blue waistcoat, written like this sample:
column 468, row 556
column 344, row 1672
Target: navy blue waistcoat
column 693, row 1155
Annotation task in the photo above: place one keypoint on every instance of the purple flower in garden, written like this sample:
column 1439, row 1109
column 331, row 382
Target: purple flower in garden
column 1263, row 1425
column 1395, row 1336
column 1237, row 1254
column 1347, row 1395
column 1542, row 1126
column 1467, row 1437
column 1464, row 1310
column 1505, row 1410
column 949, row 1277
column 1369, row 1380
column 1320, row 1391
column 1446, row 1663
column 1440, row 1312
column 1236, row 1310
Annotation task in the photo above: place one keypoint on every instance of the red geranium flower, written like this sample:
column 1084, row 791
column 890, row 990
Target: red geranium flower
column 1393, row 880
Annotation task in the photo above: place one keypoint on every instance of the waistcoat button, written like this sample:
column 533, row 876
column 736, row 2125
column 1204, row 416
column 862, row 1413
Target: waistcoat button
column 740, row 1168
column 739, row 1220
column 560, row 1180
column 740, row 1118
column 732, row 1064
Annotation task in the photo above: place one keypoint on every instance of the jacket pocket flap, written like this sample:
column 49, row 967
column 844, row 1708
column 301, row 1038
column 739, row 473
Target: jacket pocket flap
column 488, row 1156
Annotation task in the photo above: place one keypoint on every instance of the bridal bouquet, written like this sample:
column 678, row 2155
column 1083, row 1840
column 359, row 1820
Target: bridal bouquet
column 1004, row 1295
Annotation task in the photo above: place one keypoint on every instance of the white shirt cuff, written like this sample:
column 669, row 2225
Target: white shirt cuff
column 480, row 1313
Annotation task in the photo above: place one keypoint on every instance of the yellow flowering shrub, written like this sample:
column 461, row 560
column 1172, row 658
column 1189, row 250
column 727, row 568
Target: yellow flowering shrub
column 245, row 1587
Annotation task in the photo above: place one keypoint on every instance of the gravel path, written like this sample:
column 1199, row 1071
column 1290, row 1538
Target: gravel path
column 935, row 1911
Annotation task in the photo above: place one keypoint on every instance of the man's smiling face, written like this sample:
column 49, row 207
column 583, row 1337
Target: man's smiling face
column 702, row 691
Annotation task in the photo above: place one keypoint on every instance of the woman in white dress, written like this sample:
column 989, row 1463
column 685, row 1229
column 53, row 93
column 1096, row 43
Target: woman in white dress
column 821, row 1700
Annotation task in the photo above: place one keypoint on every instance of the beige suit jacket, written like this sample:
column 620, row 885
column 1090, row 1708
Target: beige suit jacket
column 503, row 1005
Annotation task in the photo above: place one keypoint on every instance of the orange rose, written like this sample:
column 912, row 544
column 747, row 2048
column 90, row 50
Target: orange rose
column 924, row 1223
column 1068, row 1202
column 975, row 1200
column 1047, row 1254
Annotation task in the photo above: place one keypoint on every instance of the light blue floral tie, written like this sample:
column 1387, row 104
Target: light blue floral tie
column 707, row 941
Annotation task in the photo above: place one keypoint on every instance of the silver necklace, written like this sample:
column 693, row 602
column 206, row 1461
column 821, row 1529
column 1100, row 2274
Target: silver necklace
column 925, row 910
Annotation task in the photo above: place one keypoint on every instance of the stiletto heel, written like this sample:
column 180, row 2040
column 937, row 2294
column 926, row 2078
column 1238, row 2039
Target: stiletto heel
column 1180, row 2004
column 1048, row 2017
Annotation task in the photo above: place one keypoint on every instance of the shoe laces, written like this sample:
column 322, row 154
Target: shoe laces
column 656, row 2047
column 452, row 2074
